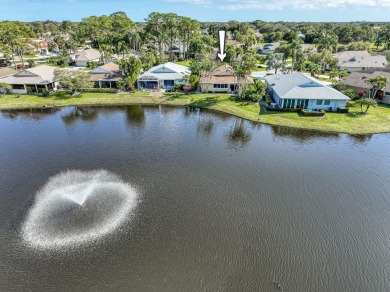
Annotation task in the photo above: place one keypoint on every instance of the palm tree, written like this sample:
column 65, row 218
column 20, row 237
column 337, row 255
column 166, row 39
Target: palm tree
column 135, row 39
column 295, row 45
column 122, row 48
column 276, row 61
column 377, row 83
column 314, row 69
column 334, row 73
column 327, row 42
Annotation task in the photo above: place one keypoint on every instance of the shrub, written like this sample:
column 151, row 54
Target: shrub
column 352, row 94
column 288, row 110
column 45, row 93
column 98, row 90
column 131, row 87
column 343, row 110
column 93, row 64
column 177, row 87
column 187, row 88
column 338, row 85
column 5, row 88
column 305, row 113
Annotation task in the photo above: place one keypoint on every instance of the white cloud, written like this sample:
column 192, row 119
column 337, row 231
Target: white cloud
column 195, row 2
column 303, row 4
column 286, row 4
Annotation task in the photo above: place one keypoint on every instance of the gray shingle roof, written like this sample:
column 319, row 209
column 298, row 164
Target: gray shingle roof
column 359, row 79
column 298, row 85
column 360, row 59
column 167, row 71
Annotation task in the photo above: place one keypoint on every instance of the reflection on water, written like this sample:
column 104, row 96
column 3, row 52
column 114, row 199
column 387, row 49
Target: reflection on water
column 33, row 114
column 239, row 136
column 135, row 115
column 87, row 114
column 205, row 126
column 361, row 138
column 226, row 204
column 302, row 135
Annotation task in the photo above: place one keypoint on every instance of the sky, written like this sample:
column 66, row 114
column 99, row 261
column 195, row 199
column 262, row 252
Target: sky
column 202, row 10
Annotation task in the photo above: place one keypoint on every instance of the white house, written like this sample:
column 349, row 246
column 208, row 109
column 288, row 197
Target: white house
column 163, row 76
column 34, row 79
column 89, row 55
column 296, row 90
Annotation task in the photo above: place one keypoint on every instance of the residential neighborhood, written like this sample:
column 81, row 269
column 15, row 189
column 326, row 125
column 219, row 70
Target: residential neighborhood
column 289, row 68
column 195, row 145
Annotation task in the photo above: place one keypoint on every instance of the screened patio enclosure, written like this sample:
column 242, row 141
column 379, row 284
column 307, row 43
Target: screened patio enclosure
column 295, row 103
column 148, row 82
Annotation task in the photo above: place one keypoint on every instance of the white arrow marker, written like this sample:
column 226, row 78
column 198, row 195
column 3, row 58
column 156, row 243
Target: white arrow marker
column 221, row 53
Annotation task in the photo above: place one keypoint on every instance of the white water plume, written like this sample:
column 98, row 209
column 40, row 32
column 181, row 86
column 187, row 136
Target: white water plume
column 76, row 207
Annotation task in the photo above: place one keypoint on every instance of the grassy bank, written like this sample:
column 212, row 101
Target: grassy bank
column 376, row 121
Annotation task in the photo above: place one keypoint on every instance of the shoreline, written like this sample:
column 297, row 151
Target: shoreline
column 215, row 102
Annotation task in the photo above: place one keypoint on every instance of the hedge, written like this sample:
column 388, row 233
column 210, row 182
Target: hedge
column 98, row 90
column 291, row 110
column 343, row 110
column 305, row 113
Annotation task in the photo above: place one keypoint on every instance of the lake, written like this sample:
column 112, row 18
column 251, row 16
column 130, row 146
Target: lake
column 222, row 204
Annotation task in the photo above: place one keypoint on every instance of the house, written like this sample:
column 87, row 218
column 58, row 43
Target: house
column 268, row 48
column 34, row 79
column 359, row 60
column 178, row 50
column 358, row 82
column 296, row 90
column 223, row 79
column 89, row 55
column 163, row 76
column 106, row 76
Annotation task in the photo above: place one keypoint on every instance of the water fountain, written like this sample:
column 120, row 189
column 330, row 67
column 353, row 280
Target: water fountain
column 78, row 207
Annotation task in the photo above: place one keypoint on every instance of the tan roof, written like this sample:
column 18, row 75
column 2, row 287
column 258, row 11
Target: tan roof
column 225, row 80
column 87, row 55
column 111, row 77
column 224, row 74
column 36, row 75
column 110, row 67
column 7, row 72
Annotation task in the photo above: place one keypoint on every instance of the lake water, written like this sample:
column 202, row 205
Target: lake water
column 223, row 204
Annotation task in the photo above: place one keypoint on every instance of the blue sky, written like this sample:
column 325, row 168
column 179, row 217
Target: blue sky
column 203, row 10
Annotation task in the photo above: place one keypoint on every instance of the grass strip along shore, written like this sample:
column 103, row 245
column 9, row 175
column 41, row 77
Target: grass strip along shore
column 377, row 120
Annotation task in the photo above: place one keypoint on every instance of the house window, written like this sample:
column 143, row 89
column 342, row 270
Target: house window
column 293, row 103
column 319, row 102
column 302, row 103
column 220, row 85
column 327, row 102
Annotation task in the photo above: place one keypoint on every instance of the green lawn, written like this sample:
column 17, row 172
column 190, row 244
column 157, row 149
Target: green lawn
column 376, row 121
column 184, row 63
